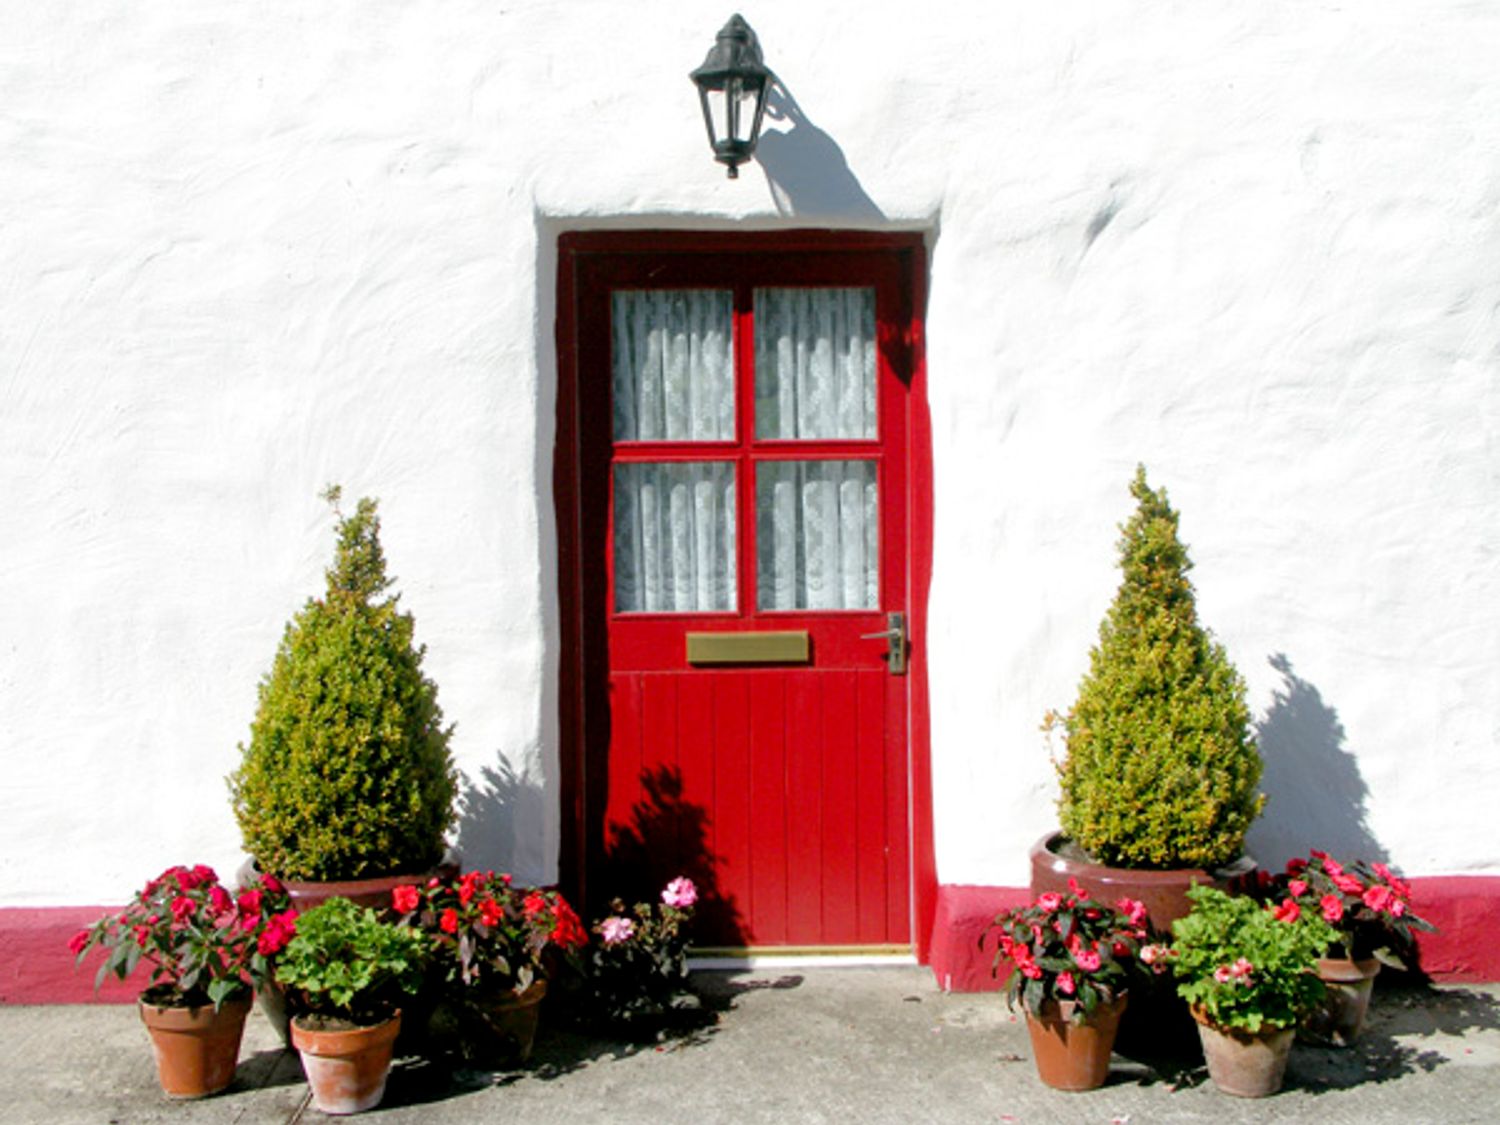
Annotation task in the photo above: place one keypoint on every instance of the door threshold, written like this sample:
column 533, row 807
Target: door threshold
column 801, row 956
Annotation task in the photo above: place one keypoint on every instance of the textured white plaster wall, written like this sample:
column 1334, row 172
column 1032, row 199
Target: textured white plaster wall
column 248, row 250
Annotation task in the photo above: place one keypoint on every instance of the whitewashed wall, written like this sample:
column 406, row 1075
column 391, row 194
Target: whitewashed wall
column 246, row 250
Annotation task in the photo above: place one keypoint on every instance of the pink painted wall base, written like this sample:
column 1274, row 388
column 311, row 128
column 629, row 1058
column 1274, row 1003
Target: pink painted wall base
column 36, row 967
column 1463, row 907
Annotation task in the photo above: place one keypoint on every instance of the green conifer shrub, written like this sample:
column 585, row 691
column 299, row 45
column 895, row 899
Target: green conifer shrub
column 1161, row 769
column 347, row 774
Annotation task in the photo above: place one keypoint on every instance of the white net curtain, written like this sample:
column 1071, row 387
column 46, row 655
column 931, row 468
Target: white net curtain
column 816, row 520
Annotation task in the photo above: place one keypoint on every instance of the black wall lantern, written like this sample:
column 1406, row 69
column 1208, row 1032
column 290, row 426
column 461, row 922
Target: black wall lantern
column 732, row 85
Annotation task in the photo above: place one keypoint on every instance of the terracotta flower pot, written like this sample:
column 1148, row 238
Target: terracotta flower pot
column 1074, row 1056
column 196, row 1049
column 1341, row 1017
column 1243, row 1064
column 346, row 1068
column 504, row 1024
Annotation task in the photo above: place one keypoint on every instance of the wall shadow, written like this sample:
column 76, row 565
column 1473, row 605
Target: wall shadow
column 500, row 822
column 665, row 837
column 806, row 169
column 1315, row 795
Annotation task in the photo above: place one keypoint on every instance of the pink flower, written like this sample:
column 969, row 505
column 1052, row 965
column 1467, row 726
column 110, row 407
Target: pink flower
column 1065, row 983
column 680, row 892
column 1378, row 899
column 1032, row 970
column 1223, row 974
column 616, row 929
column 1133, row 909
column 1049, row 902
column 1086, row 959
column 1296, row 887
column 1333, row 908
column 1242, row 968
column 405, row 899
column 1288, row 911
column 1348, row 884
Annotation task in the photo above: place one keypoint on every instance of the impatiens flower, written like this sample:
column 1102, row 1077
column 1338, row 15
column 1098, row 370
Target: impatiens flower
column 1133, row 909
column 1223, row 974
column 1296, row 866
column 491, row 913
column 1076, row 887
column 1333, row 908
column 568, row 932
column 182, row 908
column 616, row 929
column 1288, row 911
column 78, row 941
column 249, row 904
column 466, row 888
column 1151, row 954
column 219, row 900
column 680, row 892
column 142, row 935
column 1032, row 970
column 405, row 899
column 271, row 885
column 279, row 930
column 1296, row 887
column 1242, row 968
column 1348, row 884
column 533, row 904
column 1049, row 902
column 448, row 921
column 1065, row 983
column 1377, row 899
column 1087, row 959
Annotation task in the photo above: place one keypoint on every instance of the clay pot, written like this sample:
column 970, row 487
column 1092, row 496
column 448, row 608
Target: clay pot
column 374, row 892
column 1340, row 1018
column 196, row 1049
column 1243, row 1064
column 503, row 1026
column 1074, row 1056
column 1055, row 859
column 346, row 1068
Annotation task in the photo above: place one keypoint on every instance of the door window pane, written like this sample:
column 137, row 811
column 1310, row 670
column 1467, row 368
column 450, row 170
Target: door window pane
column 817, row 535
column 674, row 537
column 814, row 363
column 673, row 362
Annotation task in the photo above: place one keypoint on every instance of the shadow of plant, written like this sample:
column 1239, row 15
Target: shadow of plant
column 267, row 1069
column 500, row 821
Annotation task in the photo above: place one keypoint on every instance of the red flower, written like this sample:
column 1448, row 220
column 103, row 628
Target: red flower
column 142, row 935
column 1296, row 887
column 279, row 930
column 249, row 904
column 1333, row 908
column 1296, row 866
column 271, row 885
column 1378, row 899
column 1348, row 884
column 491, row 913
column 219, row 900
column 569, row 931
column 448, row 922
column 533, row 904
column 78, row 941
column 182, row 908
column 1288, row 911
column 466, row 887
column 1049, row 902
column 406, row 899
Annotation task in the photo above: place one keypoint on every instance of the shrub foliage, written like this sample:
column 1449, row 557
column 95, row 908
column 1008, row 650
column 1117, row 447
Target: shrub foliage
column 1160, row 770
column 347, row 773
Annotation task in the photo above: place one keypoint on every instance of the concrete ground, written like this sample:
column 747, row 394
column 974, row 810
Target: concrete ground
column 864, row 1046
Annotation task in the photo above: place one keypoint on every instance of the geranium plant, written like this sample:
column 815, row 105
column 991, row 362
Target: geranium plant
column 345, row 966
column 1367, row 904
column 1068, row 948
column 635, row 972
column 201, row 943
column 1245, row 965
column 487, row 933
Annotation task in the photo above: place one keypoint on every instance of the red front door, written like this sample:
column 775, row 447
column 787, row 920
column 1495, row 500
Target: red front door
column 742, row 586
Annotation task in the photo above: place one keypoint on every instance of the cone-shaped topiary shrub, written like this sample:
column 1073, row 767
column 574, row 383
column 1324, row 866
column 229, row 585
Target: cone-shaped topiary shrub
column 1161, row 770
column 347, row 774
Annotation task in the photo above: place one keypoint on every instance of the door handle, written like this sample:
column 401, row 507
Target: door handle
column 895, row 635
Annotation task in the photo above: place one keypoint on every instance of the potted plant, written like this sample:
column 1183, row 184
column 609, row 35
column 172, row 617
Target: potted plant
column 633, row 978
column 1369, row 907
column 493, row 944
column 1068, row 960
column 347, row 785
column 345, row 973
column 1247, row 971
column 1158, row 783
column 205, row 949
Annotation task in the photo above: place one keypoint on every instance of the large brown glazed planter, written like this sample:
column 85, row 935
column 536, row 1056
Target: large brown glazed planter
column 1338, row 1021
column 1054, row 860
column 196, row 1049
column 1244, row 1064
column 503, row 1027
column 347, row 1069
column 1074, row 1056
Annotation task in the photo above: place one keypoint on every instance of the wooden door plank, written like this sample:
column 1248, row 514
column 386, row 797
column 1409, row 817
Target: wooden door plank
column 731, row 808
column 840, row 807
column 870, row 804
column 804, row 751
column 768, row 873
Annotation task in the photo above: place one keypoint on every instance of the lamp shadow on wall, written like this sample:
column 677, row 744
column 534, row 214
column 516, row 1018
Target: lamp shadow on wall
column 1315, row 795
column 805, row 167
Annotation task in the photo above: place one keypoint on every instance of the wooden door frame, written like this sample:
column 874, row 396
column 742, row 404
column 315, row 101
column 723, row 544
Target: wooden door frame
column 574, row 595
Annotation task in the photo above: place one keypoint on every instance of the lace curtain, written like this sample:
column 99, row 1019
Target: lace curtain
column 817, row 525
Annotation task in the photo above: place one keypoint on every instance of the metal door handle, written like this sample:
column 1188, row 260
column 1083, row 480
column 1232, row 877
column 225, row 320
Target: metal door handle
column 895, row 634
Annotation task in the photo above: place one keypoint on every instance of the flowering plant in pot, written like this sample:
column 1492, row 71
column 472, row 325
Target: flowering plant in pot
column 1246, row 968
column 347, row 778
column 205, row 949
column 633, row 977
column 345, row 973
column 493, row 947
column 1068, row 960
column 1369, row 907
